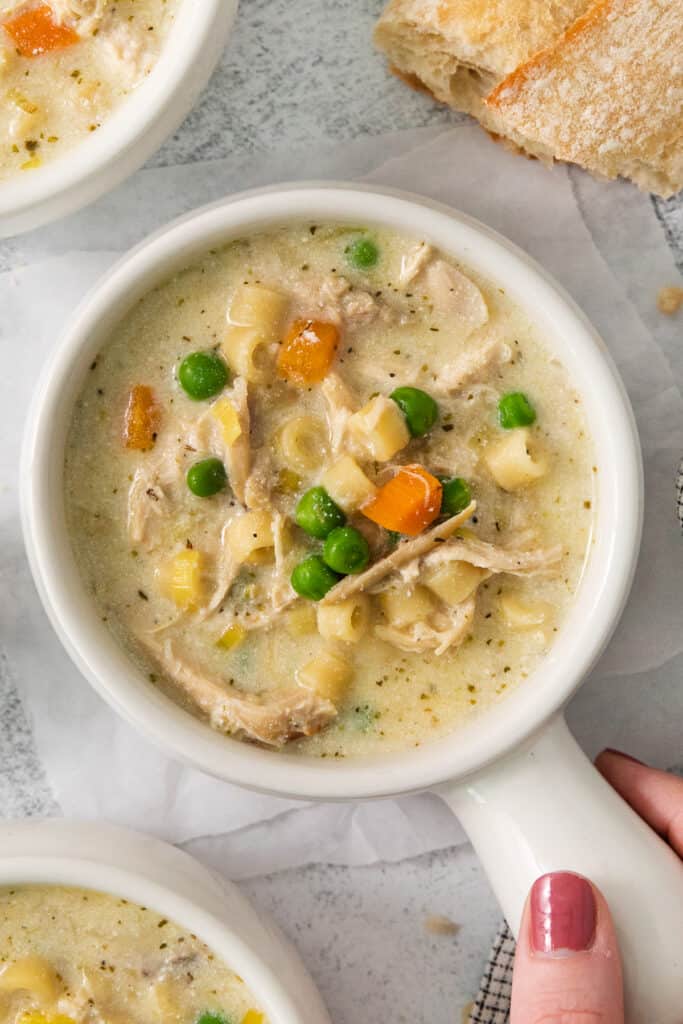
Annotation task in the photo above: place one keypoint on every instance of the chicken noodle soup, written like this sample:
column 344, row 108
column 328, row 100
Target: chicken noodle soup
column 73, row 956
column 65, row 65
column 330, row 490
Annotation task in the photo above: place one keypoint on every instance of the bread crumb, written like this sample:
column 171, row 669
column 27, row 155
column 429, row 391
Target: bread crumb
column 669, row 299
column 467, row 1013
column 438, row 925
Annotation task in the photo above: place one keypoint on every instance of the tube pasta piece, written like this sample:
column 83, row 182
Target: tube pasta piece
column 248, row 533
column 447, row 630
column 254, row 305
column 272, row 719
column 302, row 445
column 347, row 621
column 248, row 353
column 379, row 428
column 301, row 620
column 32, row 974
column 347, row 484
column 327, row 675
column 511, row 463
column 520, row 614
column 453, row 582
column 404, row 606
column 492, row 557
column 406, row 552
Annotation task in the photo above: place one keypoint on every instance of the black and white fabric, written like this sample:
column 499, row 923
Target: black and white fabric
column 492, row 1005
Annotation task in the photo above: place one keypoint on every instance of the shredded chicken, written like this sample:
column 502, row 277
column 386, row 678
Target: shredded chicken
column 227, row 568
column 272, row 719
column 126, row 47
column 494, row 558
column 206, row 435
column 449, row 628
column 149, row 493
column 84, row 15
column 259, row 483
column 406, row 552
column 340, row 405
column 455, row 296
column 359, row 308
column 413, row 262
column 470, row 367
column 281, row 592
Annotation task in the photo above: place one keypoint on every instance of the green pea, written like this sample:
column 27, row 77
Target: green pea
column 346, row 550
column 202, row 375
column 455, row 496
column 207, row 477
column 312, row 578
column 515, row 410
column 317, row 514
column 211, row 1017
column 419, row 408
column 362, row 253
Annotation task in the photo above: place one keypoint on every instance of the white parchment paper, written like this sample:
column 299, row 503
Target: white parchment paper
column 602, row 242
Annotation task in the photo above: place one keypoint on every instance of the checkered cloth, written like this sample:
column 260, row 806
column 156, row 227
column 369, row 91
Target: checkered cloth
column 492, row 1005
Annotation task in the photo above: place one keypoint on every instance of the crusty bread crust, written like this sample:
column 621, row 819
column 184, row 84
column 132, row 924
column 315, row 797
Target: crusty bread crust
column 608, row 94
column 597, row 82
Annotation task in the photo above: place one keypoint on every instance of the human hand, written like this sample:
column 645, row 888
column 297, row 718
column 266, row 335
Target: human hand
column 567, row 966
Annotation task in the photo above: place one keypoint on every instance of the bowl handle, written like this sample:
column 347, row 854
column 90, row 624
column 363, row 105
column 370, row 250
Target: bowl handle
column 546, row 808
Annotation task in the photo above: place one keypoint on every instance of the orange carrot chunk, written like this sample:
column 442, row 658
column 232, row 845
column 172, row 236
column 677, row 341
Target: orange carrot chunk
column 35, row 31
column 408, row 503
column 141, row 421
column 307, row 351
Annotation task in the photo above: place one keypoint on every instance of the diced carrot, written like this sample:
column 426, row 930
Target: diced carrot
column 408, row 503
column 141, row 421
column 35, row 31
column 307, row 351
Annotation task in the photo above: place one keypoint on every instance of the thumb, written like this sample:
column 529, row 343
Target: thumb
column 567, row 965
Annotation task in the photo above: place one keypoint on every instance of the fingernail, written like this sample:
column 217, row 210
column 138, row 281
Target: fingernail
column 620, row 753
column 563, row 914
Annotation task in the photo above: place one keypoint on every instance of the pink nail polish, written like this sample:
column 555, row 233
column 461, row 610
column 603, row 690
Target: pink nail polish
column 563, row 914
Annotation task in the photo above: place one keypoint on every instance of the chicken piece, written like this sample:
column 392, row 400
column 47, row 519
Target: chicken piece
column 227, row 568
column 83, row 15
column 127, row 48
column 359, row 308
column 206, row 435
column 448, row 629
column 272, row 719
column 413, row 263
column 259, row 483
column 455, row 296
column 320, row 298
column 494, row 558
column 150, row 492
column 340, row 406
column 472, row 366
column 406, row 552
column 281, row 592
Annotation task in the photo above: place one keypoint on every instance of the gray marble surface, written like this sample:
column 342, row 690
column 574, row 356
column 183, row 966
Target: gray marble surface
column 301, row 73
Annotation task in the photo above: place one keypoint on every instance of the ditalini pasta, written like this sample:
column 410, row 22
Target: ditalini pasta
column 73, row 955
column 65, row 66
column 331, row 490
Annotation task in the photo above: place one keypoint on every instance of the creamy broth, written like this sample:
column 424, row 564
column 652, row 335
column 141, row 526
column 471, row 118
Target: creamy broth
column 198, row 588
column 73, row 956
column 65, row 66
